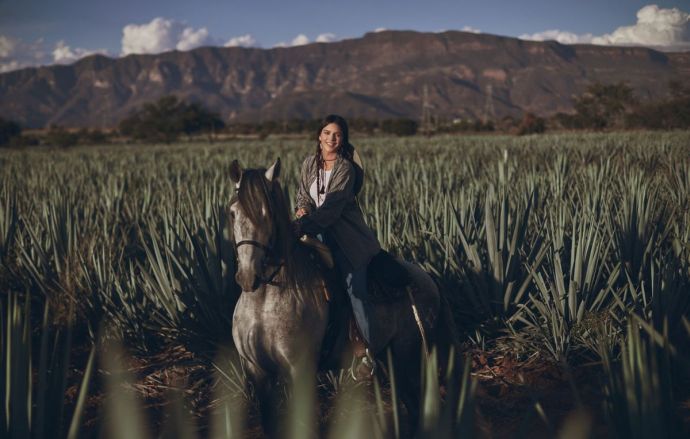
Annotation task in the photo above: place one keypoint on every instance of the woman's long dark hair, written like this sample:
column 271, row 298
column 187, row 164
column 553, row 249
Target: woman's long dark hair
column 346, row 149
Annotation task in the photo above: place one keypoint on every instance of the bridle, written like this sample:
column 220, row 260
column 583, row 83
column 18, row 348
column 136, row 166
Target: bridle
column 269, row 255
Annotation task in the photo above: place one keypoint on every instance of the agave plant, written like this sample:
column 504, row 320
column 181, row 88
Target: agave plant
column 34, row 388
column 564, row 236
column 9, row 219
column 637, row 225
column 639, row 389
column 496, row 277
column 565, row 296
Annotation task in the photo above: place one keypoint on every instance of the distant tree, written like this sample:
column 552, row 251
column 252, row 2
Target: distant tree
column 678, row 89
column 196, row 119
column 670, row 113
column 507, row 124
column 155, row 122
column 294, row 126
column 399, row 127
column 242, row 128
column 362, row 125
column 167, row 118
column 60, row 137
column 8, row 130
column 463, row 125
column 312, row 125
column 604, row 105
column 25, row 140
column 480, row 126
column 531, row 124
column 269, row 127
column 566, row 120
column 92, row 137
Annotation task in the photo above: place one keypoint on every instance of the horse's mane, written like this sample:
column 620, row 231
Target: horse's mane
column 256, row 191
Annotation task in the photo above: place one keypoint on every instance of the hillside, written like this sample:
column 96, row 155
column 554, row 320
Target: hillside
column 381, row 75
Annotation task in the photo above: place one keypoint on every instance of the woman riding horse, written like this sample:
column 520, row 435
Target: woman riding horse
column 281, row 316
column 327, row 207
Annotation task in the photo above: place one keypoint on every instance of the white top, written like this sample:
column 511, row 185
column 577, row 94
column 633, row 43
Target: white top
column 314, row 191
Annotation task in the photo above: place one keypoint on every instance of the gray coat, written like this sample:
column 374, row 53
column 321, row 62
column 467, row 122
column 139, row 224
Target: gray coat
column 339, row 215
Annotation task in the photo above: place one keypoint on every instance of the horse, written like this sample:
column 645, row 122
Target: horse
column 282, row 313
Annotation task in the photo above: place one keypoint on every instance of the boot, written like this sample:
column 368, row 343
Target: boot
column 363, row 365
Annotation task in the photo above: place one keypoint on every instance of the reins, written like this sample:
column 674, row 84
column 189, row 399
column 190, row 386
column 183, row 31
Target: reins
column 271, row 257
column 268, row 251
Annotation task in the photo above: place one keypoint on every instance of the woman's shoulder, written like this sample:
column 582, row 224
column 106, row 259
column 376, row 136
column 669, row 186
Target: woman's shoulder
column 345, row 165
column 309, row 161
column 308, row 164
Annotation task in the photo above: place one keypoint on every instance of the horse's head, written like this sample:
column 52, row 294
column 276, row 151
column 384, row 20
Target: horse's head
column 254, row 223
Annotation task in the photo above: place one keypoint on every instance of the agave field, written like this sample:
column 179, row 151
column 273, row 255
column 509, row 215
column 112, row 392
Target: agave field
column 565, row 259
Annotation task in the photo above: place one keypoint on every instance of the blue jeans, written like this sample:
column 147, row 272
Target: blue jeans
column 356, row 286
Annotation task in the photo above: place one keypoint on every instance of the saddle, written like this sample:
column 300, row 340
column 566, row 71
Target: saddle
column 386, row 277
column 387, row 281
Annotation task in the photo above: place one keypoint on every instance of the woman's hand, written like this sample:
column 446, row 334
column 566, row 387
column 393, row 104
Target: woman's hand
column 300, row 212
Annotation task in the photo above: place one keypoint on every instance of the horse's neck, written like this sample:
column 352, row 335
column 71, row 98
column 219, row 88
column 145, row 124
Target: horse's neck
column 279, row 290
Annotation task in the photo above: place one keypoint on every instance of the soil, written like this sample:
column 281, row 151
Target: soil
column 530, row 398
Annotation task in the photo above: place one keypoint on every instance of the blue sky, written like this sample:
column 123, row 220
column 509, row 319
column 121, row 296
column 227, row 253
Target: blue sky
column 44, row 31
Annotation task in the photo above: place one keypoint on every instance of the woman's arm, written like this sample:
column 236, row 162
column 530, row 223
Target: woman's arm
column 304, row 201
column 340, row 192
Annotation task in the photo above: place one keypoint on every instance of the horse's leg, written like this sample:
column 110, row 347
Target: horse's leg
column 267, row 400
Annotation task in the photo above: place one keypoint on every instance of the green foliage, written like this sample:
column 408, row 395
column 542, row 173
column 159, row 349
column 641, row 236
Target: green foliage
column 600, row 106
column 8, row 130
column 33, row 386
column 639, row 388
column 92, row 137
column 615, row 106
column 670, row 113
column 61, row 137
column 399, row 127
column 166, row 119
column 531, row 124
column 553, row 241
column 25, row 140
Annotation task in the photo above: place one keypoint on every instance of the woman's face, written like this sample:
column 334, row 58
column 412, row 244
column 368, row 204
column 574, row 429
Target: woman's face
column 331, row 138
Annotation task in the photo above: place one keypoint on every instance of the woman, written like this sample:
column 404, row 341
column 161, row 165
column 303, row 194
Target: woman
column 326, row 205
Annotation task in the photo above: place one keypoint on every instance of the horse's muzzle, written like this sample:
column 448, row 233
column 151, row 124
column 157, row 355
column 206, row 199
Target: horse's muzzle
column 248, row 283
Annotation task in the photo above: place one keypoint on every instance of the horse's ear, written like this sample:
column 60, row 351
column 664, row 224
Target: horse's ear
column 235, row 171
column 274, row 171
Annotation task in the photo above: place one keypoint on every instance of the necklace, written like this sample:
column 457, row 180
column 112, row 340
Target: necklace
column 322, row 174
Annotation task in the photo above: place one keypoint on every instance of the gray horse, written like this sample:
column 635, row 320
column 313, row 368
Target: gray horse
column 283, row 312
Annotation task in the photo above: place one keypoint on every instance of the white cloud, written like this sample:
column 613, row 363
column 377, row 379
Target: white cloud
column 162, row 35
column 191, row 39
column 656, row 27
column 557, row 35
column 7, row 46
column 470, row 29
column 18, row 54
column 299, row 40
column 246, row 40
column 380, row 29
column 64, row 54
column 325, row 38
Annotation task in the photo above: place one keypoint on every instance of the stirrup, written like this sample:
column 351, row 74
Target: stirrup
column 368, row 361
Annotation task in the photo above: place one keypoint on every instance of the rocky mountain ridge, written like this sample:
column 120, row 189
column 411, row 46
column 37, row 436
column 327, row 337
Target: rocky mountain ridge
column 380, row 75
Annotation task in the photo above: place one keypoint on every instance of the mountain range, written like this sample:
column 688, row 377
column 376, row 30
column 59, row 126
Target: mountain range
column 388, row 74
